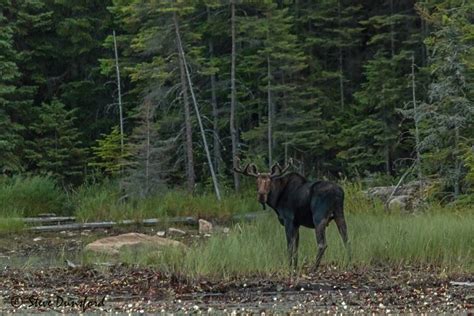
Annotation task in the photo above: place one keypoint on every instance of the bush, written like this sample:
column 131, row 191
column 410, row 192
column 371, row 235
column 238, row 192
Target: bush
column 30, row 196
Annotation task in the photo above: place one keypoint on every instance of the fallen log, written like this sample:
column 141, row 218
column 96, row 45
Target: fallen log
column 248, row 216
column 106, row 225
column 47, row 220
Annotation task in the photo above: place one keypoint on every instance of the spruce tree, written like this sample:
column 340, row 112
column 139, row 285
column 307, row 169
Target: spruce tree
column 272, row 65
column 376, row 140
column 108, row 155
column 448, row 115
column 56, row 148
column 150, row 159
column 15, row 96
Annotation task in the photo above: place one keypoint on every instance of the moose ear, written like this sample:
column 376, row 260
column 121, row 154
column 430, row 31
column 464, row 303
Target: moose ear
column 275, row 170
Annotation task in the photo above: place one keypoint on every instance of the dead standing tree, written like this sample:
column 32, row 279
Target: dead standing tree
column 233, row 99
column 119, row 92
column 190, row 174
column 215, row 112
column 183, row 64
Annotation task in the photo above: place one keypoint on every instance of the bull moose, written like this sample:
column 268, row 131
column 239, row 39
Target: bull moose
column 299, row 202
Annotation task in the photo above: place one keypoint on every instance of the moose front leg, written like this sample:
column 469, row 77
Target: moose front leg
column 292, row 239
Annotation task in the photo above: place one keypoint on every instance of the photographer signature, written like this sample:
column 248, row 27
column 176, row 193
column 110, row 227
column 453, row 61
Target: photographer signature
column 58, row 301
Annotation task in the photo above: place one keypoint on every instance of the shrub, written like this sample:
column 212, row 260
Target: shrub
column 30, row 196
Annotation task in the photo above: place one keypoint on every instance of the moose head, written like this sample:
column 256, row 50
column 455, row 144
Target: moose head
column 264, row 179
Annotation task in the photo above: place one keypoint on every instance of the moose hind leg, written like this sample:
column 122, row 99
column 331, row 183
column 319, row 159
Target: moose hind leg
column 342, row 227
column 321, row 239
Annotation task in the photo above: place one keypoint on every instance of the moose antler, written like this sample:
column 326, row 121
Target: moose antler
column 277, row 170
column 249, row 170
column 288, row 165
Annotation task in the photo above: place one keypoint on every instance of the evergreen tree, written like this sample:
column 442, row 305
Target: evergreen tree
column 108, row 154
column 156, row 73
column 377, row 139
column 150, row 158
column 10, row 132
column 56, row 148
column 448, row 116
column 274, row 58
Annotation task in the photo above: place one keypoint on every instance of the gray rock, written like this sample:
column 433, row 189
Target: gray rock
column 400, row 202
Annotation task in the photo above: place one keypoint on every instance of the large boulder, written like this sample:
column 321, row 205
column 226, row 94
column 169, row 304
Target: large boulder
column 383, row 193
column 113, row 245
column 406, row 197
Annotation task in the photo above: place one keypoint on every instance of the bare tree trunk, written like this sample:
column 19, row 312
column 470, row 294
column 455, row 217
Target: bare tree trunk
column 341, row 70
column 196, row 108
column 424, row 52
column 285, row 111
column 270, row 113
column 190, row 175
column 119, row 90
column 215, row 114
column 387, row 160
column 233, row 130
column 386, row 145
column 392, row 32
column 341, row 79
column 416, row 119
column 458, row 165
column 148, row 147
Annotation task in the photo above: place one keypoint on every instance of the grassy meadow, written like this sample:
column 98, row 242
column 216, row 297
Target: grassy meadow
column 440, row 239
column 30, row 196
column 439, row 236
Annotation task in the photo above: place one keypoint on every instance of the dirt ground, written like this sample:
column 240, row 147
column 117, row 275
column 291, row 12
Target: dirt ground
column 44, row 285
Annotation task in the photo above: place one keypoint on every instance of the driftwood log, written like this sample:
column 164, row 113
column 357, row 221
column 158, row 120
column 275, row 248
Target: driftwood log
column 68, row 223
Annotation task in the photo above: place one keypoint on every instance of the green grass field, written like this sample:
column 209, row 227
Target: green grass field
column 438, row 236
column 440, row 239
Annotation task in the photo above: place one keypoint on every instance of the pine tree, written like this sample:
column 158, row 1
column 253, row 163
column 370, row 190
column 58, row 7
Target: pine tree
column 377, row 138
column 108, row 154
column 378, row 132
column 59, row 43
column 330, row 34
column 274, row 58
column 10, row 137
column 149, row 158
column 56, row 148
column 156, row 72
column 448, row 116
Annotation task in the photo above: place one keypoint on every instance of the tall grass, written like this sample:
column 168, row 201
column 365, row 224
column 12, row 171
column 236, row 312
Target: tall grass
column 10, row 223
column 437, row 239
column 30, row 196
column 103, row 202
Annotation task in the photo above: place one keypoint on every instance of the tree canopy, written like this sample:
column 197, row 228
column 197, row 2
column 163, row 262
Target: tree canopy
column 333, row 84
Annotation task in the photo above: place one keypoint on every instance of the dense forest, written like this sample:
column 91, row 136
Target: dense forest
column 140, row 90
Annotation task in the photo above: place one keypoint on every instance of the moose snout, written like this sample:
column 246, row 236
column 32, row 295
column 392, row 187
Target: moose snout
column 262, row 197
